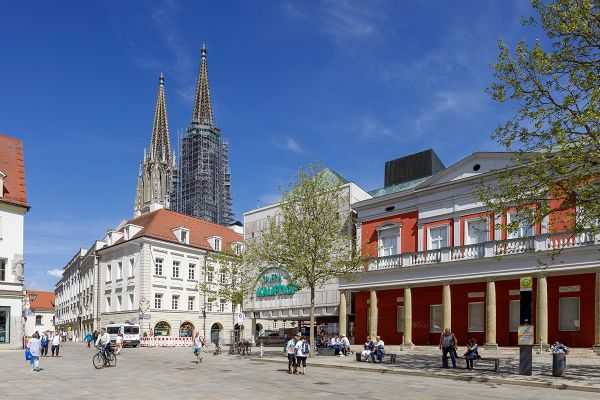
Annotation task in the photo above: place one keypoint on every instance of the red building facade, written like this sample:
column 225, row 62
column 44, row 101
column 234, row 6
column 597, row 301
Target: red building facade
column 437, row 259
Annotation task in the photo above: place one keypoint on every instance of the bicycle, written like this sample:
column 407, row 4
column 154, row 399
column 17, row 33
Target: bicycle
column 217, row 350
column 100, row 360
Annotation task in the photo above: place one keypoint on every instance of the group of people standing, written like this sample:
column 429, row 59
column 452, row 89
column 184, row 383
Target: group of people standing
column 38, row 347
column 449, row 346
column 297, row 350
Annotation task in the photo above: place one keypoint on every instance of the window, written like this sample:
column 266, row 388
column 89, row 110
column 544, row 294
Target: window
column 222, row 305
column 131, row 303
column 38, row 320
column 192, row 271
column 436, row 318
column 238, row 249
column 108, row 304
column 400, row 319
column 476, row 317
column 217, row 244
column 222, row 277
column 476, row 231
column 209, row 276
column 131, row 267
column 568, row 310
column 158, row 300
column 438, row 237
column 191, row 301
column 514, row 315
column 2, row 269
column 184, row 237
column 175, row 269
column 119, row 303
column 175, row 302
column 389, row 238
column 4, row 324
column 209, row 306
column 108, row 273
column 158, row 266
column 525, row 227
column 119, row 270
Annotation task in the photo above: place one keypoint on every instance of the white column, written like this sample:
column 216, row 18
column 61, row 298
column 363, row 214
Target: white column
column 542, row 311
column 408, row 317
column 447, row 306
column 490, row 315
column 342, row 313
column 373, row 313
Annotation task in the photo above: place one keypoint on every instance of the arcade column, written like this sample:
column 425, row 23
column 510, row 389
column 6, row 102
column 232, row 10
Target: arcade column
column 343, row 320
column 373, row 313
column 542, row 311
column 490, row 316
column 408, row 317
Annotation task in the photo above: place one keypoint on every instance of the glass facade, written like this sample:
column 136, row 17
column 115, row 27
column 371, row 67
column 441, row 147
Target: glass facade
column 4, row 324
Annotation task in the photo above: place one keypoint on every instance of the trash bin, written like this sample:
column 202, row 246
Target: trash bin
column 559, row 364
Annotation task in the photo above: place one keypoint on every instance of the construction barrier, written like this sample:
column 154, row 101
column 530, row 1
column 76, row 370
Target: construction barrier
column 166, row 341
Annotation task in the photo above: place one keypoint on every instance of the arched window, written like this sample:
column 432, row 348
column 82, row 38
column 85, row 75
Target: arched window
column 186, row 329
column 162, row 328
column 215, row 332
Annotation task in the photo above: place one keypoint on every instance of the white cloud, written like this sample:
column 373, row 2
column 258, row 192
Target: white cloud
column 293, row 11
column 288, row 143
column 346, row 21
column 57, row 273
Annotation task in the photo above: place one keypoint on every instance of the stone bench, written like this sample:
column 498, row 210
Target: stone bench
column 494, row 360
column 387, row 358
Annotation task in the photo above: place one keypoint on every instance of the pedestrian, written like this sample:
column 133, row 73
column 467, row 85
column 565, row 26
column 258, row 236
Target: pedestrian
column 290, row 350
column 448, row 346
column 55, row 344
column 35, row 346
column 44, row 343
column 198, row 344
column 471, row 353
column 302, row 352
column 119, row 343
column 95, row 336
column 88, row 338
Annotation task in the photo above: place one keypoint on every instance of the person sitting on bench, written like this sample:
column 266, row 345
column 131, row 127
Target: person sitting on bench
column 379, row 353
column 368, row 349
column 471, row 353
column 345, row 344
column 335, row 345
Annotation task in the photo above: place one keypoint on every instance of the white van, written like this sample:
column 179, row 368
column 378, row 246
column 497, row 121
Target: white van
column 131, row 333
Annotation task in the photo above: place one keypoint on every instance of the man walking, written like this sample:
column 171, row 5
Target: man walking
column 55, row 344
column 448, row 346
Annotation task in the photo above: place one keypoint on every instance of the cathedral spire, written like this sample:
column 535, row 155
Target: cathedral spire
column 202, row 104
column 160, row 144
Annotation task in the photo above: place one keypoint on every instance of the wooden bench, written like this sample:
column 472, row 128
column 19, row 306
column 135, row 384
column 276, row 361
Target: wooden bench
column 494, row 360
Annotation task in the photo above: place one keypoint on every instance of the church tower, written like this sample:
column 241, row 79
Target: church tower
column 156, row 170
column 203, row 185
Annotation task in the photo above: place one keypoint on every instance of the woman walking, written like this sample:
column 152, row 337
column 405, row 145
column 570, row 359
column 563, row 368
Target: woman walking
column 302, row 351
column 290, row 349
column 198, row 343
column 35, row 348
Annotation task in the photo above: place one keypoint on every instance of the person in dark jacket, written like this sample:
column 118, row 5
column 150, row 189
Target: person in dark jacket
column 448, row 346
column 472, row 353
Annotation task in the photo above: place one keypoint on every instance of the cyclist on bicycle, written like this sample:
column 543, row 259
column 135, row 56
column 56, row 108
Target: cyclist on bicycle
column 103, row 341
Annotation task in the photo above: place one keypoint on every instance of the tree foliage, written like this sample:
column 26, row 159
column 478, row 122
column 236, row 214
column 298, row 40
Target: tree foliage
column 312, row 235
column 555, row 130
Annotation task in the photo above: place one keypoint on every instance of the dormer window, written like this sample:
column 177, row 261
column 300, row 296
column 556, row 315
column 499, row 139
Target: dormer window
column 237, row 248
column 182, row 234
column 217, row 244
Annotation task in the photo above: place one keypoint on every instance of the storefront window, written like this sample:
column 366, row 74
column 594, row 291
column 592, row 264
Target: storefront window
column 4, row 324
column 186, row 329
column 569, row 314
column 476, row 317
column 436, row 318
column 162, row 329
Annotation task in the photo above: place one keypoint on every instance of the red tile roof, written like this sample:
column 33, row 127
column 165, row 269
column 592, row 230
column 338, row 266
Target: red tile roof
column 43, row 300
column 12, row 165
column 159, row 224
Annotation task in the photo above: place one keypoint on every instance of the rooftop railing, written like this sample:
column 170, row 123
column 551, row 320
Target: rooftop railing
column 490, row 249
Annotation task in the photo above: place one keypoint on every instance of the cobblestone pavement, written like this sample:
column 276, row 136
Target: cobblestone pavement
column 171, row 373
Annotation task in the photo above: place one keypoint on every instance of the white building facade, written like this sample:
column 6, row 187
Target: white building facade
column 13, row 206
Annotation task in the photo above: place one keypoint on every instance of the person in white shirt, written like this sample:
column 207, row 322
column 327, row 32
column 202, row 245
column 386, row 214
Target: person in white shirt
column 35, row 347
column 119, row 343
column 103, row 341
column 55, row 344
column 377, row 355
column 302, row 352
column 345, row 345
column 198, row 343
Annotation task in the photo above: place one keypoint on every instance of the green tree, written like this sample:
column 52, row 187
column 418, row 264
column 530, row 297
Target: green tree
column 312, row 237
column 554, row 132
column 233, row 278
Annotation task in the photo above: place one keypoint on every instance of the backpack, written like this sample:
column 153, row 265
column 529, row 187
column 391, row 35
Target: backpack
column 305, row 347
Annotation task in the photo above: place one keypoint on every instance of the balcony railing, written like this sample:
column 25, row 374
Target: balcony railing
column 539, row 243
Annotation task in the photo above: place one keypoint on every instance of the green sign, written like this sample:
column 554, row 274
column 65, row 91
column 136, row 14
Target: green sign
column 272, row 285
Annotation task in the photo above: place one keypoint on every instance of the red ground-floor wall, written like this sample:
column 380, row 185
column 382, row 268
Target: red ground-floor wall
column 424, row 297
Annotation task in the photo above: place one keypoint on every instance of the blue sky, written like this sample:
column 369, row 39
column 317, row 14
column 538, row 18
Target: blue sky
column 351, row 84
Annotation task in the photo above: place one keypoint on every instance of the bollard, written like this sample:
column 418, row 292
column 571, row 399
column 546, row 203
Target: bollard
column 261, row 349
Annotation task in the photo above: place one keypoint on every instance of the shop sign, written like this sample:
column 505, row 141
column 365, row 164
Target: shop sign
column 273, row 284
